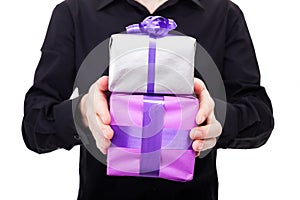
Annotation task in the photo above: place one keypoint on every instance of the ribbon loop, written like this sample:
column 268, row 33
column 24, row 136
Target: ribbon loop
column 154, row 26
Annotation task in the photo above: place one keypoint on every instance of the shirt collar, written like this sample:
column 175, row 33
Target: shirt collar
column 104, row 3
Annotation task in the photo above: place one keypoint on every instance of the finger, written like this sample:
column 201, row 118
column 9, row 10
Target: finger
column 99, row 132
column 202, row 145
column 97, row 136
column 199, row 86
column 205, row 132
column 206, row 107
column 207, row 104
column 103, row 144
column 102, row 83
column 197, row 145
column 100, row 100
column 96, row 126
column 106, row 129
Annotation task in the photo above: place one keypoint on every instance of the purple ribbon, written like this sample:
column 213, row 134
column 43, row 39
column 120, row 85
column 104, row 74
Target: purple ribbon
column 153, row 124
column 151, row 66
column 171, row 138
column 153, row 113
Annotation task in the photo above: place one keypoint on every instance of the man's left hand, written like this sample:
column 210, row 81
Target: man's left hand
column 208, row 129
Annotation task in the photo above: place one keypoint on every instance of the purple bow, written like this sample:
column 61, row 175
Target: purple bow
column 154, row 26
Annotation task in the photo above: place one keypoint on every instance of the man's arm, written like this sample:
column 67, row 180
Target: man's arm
column 249, row 117
column 48, row 120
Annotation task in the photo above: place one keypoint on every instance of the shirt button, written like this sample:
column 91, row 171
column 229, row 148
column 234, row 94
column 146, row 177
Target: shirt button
column 77, row 137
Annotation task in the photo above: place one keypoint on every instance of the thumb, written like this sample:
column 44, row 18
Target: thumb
column 102, row 104
column 199, row 86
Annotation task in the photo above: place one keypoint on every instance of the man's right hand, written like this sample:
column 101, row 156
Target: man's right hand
column 95, row 113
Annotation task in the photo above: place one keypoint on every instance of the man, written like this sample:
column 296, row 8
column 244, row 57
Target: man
column 77, row 26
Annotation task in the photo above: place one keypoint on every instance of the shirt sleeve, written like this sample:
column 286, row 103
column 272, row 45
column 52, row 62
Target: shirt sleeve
column 48, row 119
column 249, row 116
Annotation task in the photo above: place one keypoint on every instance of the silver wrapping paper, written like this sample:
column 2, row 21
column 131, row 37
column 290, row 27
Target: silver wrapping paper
column 174, row 66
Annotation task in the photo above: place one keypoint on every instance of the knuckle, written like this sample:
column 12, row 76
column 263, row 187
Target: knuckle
column 196, row 129
column 217, row 128
column 204, row 132
column 212, row 131
column 199, row 132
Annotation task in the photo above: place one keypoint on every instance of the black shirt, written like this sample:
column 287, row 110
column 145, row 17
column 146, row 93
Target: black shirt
column 77, row 26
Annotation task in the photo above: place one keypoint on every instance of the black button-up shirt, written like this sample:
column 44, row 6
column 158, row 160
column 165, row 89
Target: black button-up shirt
column 77, row 26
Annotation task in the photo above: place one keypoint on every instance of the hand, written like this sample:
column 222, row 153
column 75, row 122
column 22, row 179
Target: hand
column 204, row 136
column 95, row 113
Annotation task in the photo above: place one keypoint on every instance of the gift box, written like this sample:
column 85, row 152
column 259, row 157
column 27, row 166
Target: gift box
column 151, row 136
column 169, row 60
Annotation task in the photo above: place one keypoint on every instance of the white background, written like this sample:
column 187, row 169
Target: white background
column 269, row 172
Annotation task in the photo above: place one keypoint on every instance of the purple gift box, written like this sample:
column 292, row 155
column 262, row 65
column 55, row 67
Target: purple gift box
column 151, row 136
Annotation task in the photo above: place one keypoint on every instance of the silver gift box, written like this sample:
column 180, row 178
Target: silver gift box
column 174, row 64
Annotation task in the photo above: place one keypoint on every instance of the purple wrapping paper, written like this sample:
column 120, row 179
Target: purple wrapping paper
column 151, row 136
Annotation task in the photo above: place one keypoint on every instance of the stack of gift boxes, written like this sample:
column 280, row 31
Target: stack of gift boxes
column 152, row 105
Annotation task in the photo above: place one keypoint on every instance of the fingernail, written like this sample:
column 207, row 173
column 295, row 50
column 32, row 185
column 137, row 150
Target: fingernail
column 200, row 120
column 192, row 134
